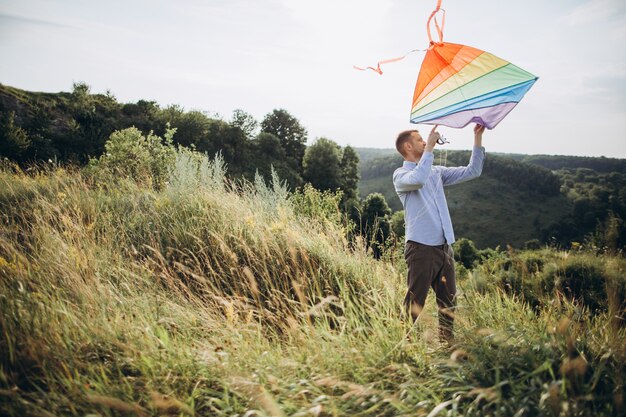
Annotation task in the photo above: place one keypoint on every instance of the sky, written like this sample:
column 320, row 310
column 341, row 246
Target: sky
column 258, row 55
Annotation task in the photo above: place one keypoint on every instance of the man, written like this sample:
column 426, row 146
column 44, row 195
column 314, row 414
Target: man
column 428, row 227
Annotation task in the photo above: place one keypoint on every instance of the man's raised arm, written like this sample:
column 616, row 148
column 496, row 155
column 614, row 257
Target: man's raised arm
column 474, row 168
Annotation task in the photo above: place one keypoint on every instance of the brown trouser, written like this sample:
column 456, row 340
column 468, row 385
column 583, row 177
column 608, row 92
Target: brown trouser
column 431, row 266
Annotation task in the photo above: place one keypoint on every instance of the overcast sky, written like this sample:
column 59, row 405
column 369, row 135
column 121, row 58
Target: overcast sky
column 220, row 55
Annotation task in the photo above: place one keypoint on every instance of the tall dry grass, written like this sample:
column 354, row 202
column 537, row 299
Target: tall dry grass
column 208, row 297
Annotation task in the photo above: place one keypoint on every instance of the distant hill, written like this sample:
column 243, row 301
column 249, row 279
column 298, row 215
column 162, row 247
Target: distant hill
column 552, row 162
column 598, row 164
column 368, row 154
column 490, row 210
column 516, row 199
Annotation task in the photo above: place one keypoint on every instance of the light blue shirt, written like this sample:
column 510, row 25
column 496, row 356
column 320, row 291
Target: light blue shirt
column 420, row 188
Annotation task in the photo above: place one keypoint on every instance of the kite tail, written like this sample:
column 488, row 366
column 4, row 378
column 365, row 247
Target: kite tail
column 439, row 29
column 386, row 61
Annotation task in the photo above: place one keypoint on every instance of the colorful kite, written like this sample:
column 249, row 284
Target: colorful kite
column 458, row 84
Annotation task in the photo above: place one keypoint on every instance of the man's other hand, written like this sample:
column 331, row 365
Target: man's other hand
column 478, row 134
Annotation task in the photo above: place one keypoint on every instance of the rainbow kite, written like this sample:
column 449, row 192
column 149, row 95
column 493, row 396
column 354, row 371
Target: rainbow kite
column 458, row 84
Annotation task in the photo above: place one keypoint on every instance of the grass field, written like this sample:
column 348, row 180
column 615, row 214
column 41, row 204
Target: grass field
column 209, row 298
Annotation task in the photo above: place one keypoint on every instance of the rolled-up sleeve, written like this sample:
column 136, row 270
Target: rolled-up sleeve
column 405, row 180
column 456, row 175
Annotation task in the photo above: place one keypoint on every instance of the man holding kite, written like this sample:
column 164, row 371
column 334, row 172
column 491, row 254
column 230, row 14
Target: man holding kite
column 428, row 226
column 457, row 85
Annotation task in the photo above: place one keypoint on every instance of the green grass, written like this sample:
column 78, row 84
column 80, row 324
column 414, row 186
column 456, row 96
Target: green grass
column 212, row 298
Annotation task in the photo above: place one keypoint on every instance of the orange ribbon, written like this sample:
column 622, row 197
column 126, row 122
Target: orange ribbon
column 386, row 61
column 439, row 32
column 439, row 29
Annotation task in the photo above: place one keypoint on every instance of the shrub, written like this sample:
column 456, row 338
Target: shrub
column 317, row 205
column 489, row 253
column 465, row 252
column 514, row 283
column 397, row 224
column 533, row 262
column 532, row 244
column 128, row 153
column 580, row 278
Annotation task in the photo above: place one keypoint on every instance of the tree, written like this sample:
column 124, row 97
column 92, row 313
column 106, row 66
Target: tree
column 268, row 145
column 375, row 224
column 80, row 89
column 145, row 115
column 192, row 127
column 95, row 116
column 397, row 224
column 375, row 206
column 291, row 133
column 244, row 121
column 465, row 252
column 267, row 153
column 14, row 140
column 231, row 142
column 349, row 174
column 40, row 130
column 322, row 165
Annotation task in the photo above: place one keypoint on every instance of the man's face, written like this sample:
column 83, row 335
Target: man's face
column 415, row 146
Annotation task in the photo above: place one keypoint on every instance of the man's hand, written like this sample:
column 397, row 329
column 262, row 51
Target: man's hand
column 433, row 137
column 478, row 134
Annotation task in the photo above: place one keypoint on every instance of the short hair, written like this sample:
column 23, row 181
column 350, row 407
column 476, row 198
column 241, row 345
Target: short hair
column 403, row 137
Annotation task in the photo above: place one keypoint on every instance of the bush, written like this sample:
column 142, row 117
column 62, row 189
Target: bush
column 514, row 283
column 146, row 159
column 465, row 252
column 533, row 262
column 397, row 224
column 581, row 278
column 533, row 244
column 317, row 205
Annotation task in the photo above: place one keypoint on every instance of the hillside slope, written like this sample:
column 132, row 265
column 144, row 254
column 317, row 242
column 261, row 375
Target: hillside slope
column 200, row 298
column 491, row 210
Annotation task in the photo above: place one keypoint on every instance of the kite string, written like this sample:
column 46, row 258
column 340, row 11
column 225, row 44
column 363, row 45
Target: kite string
column 443, row 157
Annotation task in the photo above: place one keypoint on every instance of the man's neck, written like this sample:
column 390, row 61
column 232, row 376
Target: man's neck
column 414, row 159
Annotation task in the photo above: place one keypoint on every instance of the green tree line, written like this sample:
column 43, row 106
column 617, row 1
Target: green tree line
column 598, row 164
column 74, row 128
column 598, row 210
column 80, row 127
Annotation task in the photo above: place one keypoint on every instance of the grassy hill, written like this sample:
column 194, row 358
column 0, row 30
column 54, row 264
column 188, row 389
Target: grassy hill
column 489, row 210
column 123, row 295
